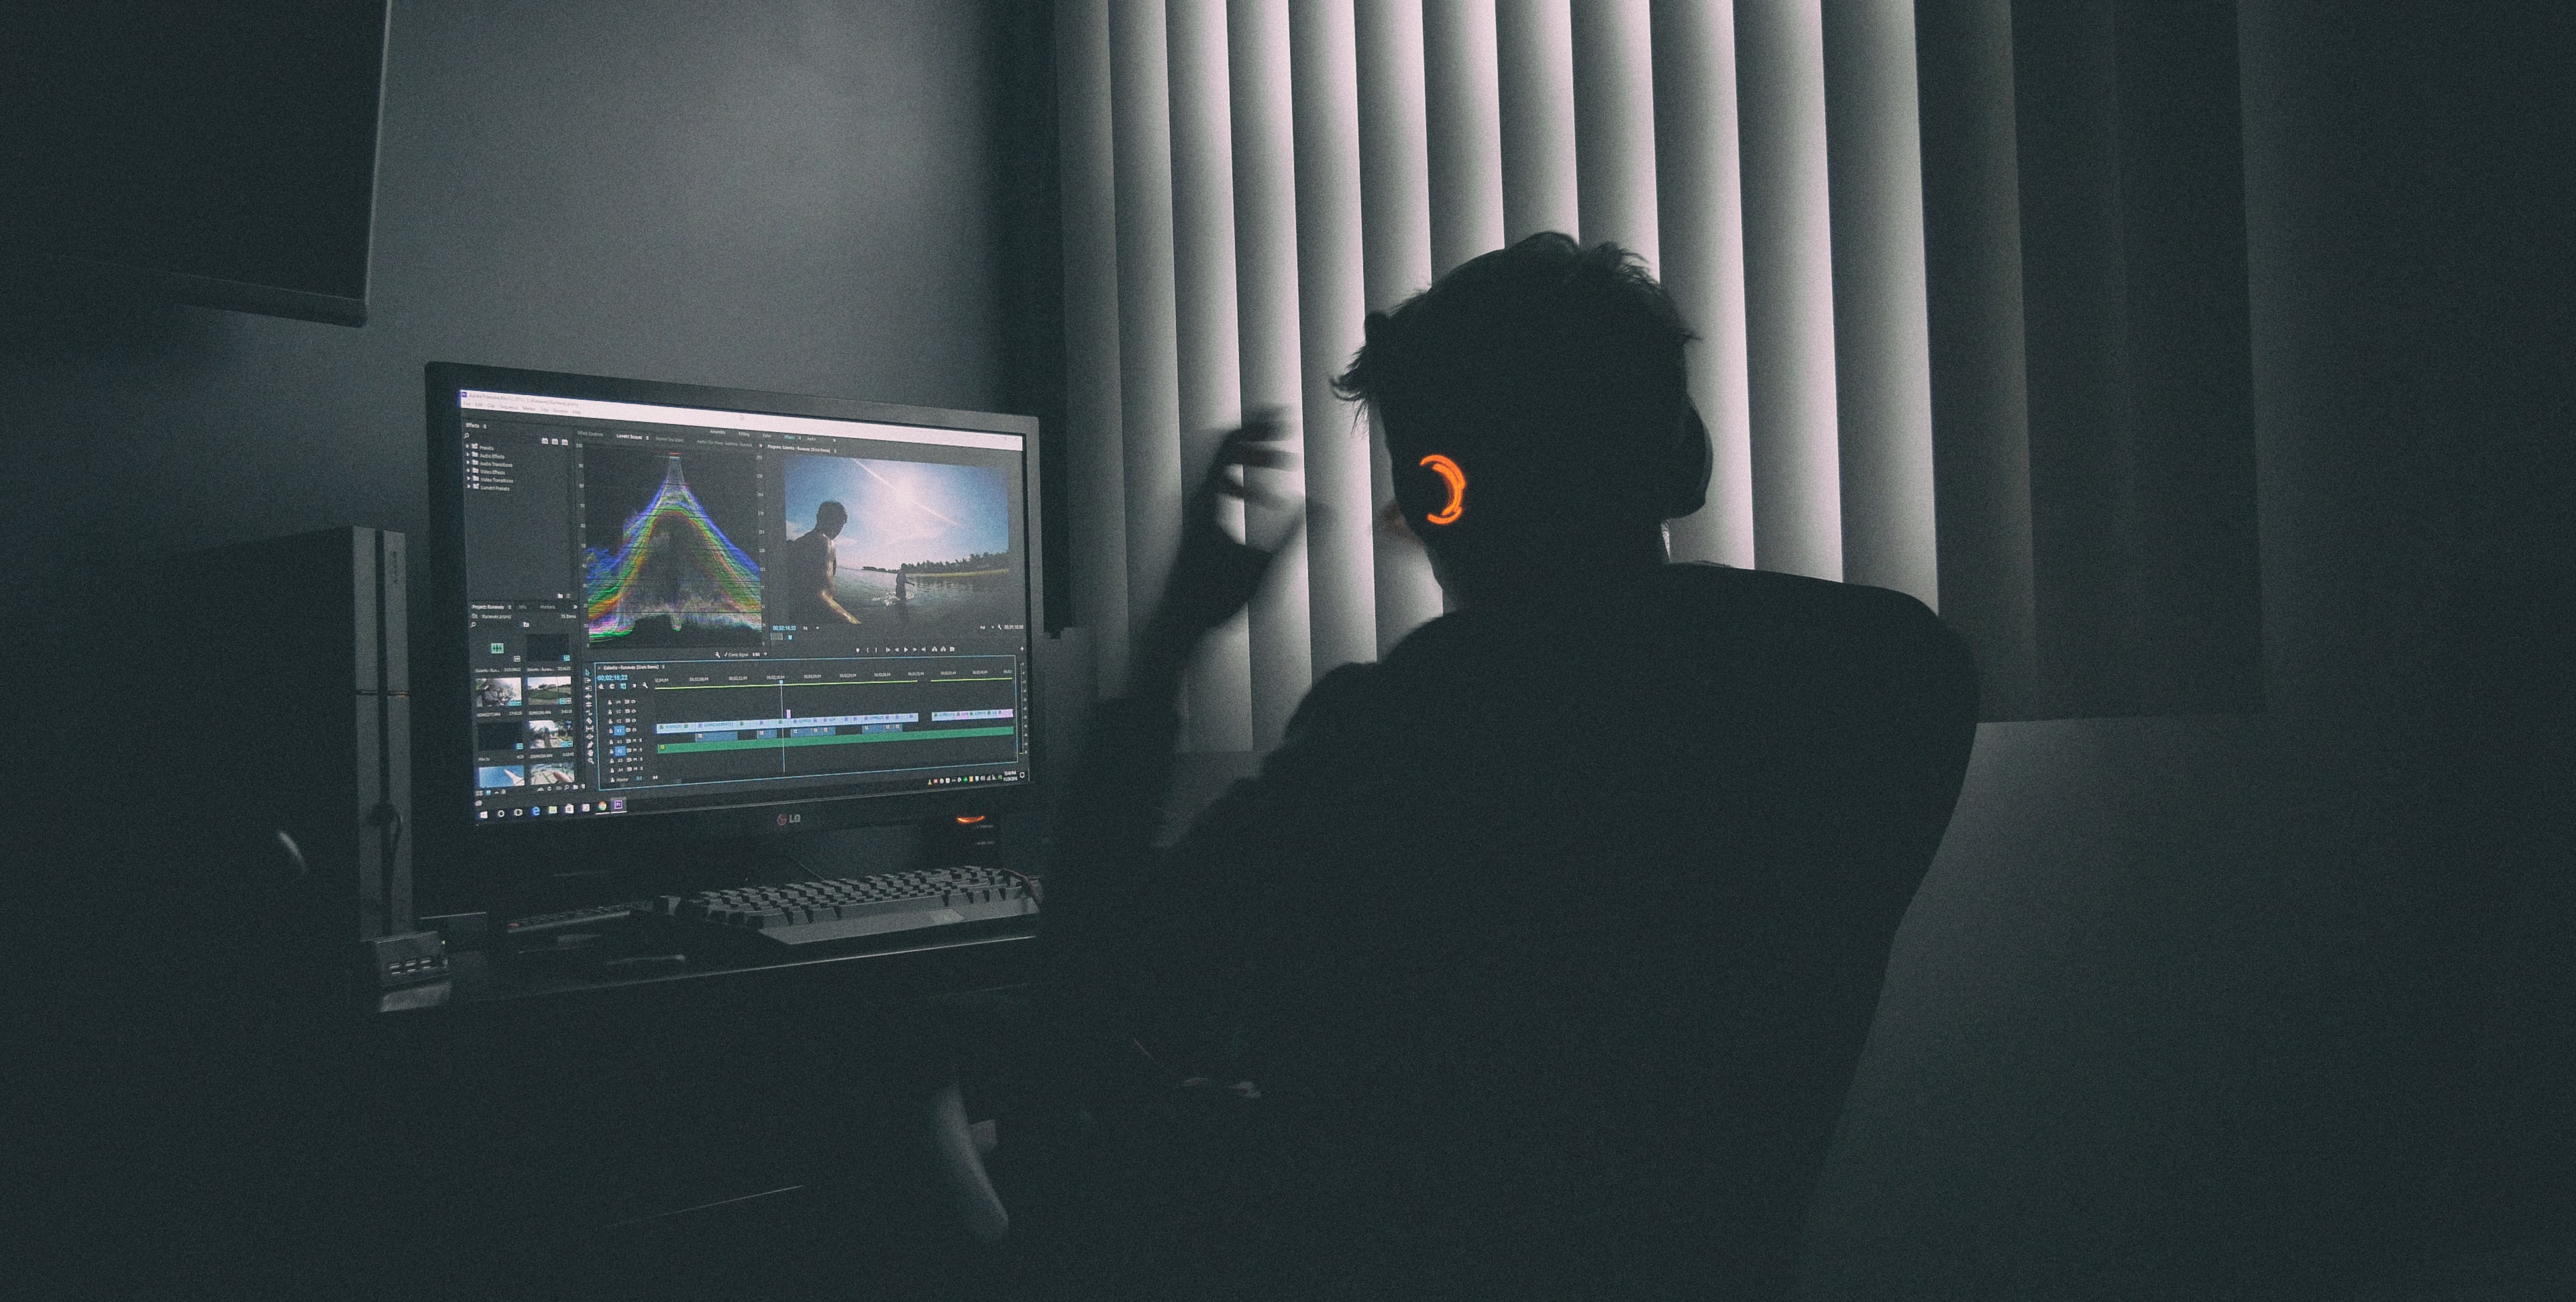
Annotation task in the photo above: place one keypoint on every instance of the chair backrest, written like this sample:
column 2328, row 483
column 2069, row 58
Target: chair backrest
column 1624, row 914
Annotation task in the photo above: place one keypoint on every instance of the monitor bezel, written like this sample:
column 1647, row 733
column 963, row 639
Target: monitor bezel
column 441, row 646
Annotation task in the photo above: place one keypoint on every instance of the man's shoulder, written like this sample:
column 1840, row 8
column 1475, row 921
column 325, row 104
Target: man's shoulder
column 1707, row 605
column 1346, row 696
column 1814, row 626
column 1726, row 589
column 1716, row 626
column 1733, row 605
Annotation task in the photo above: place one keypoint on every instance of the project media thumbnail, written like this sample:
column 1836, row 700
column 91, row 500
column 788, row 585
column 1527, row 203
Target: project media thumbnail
column 515, row 715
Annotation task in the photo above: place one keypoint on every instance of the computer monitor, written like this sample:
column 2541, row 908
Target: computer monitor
column 660, row 613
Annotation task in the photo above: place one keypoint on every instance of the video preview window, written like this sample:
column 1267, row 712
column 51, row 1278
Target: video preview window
column 894, row 544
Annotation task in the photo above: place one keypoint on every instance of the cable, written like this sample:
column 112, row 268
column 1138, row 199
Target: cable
column 1036, row 896
column 1149, row 1057
column 806, row 868
column 391, row 816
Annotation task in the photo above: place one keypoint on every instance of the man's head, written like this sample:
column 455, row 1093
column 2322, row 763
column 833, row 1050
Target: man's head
column 1550, row 379
column 829, row 517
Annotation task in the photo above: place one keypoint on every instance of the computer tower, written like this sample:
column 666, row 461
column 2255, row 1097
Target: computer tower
column 301, row 706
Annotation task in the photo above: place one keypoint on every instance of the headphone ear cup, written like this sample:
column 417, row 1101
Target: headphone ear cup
column 1438, row 490
column 1693, row 461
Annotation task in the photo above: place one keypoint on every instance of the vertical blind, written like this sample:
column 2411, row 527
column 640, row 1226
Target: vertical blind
column 1244, row 181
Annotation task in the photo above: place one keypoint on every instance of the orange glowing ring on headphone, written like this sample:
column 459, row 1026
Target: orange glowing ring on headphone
column 1456, row 479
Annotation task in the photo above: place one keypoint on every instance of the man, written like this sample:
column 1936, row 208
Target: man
column 806, row 571
column 1548, row 943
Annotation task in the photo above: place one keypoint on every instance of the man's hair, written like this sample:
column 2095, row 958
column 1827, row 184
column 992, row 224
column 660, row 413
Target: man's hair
column 831, row 515
column 1554, row 373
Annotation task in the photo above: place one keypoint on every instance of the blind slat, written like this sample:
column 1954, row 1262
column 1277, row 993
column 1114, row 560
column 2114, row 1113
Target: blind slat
column 1972, row 290
column 1096, row 469
column 1332, row 299
column 1700, row 198
column 1882, row 343
column 1219, row 704
column 1149, row 398
column 1534, row 51
column 1265, row 259
column 1395, row 205
column 1614, row 125
column 1788, row 287
column 1463, row 125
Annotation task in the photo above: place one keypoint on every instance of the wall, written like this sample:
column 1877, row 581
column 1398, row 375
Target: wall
column 2205, row 1007
column 806, row 197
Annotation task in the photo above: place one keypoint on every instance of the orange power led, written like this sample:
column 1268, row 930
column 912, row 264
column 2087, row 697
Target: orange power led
column 1451, row 475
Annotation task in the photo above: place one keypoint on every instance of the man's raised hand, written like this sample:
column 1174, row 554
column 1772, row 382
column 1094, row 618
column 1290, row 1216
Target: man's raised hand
column 1213, row 574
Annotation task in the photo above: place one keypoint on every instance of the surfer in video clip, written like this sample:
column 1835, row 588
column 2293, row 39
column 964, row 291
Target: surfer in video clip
column 805, row 573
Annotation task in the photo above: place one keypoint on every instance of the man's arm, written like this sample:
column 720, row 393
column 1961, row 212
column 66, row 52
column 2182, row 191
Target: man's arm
column 1104, row 836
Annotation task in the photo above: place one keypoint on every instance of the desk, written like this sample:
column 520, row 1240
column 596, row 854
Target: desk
column 210, row 1111
column 634, row 963
column 587, row 1129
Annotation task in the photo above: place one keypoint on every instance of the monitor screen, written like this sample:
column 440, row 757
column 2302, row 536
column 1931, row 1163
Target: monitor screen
column 714, row 600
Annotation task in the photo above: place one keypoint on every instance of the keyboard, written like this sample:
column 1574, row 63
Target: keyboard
column 850, row 908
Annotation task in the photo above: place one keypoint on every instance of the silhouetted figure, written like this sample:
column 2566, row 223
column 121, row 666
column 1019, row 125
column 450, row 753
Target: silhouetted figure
column 1549, row 942
column 805, row 571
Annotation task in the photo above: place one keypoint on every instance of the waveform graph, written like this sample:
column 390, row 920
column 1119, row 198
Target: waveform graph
column 663, row 560
column 926, row 545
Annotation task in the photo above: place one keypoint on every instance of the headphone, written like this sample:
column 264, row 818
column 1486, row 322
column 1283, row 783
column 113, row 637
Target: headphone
column 1673, row 480
column 1451, row 478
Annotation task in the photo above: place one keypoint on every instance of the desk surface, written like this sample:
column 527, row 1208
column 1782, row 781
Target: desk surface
column 641, row 961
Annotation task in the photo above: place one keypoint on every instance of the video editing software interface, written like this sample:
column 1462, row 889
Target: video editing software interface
column 676, row 608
